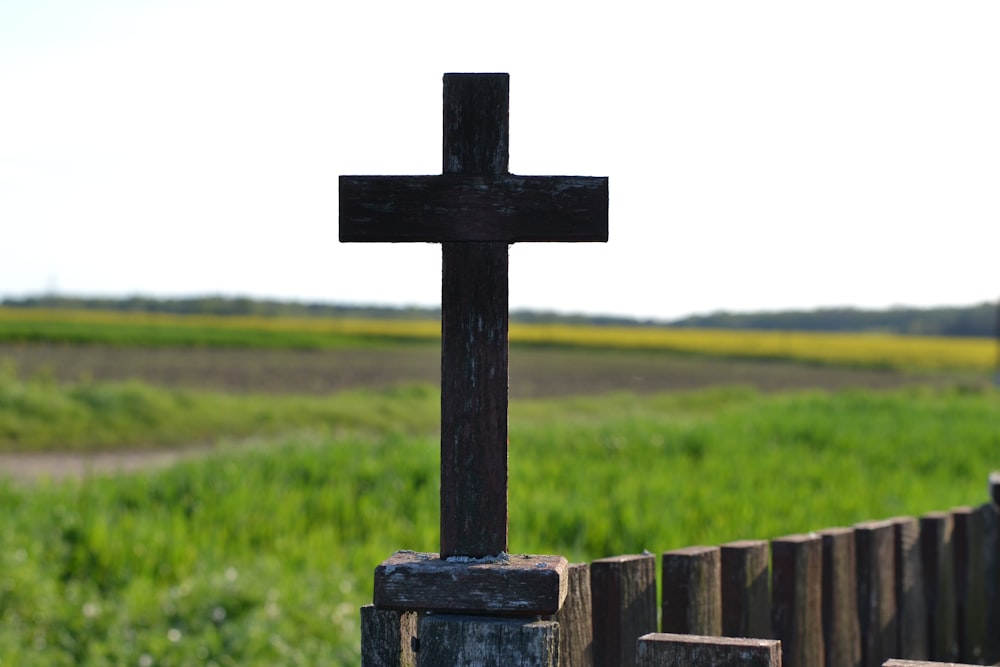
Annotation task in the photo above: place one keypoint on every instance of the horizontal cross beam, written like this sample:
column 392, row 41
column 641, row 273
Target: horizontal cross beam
column 438, row 209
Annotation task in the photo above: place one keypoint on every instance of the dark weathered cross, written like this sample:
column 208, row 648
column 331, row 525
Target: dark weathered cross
column 475, row 209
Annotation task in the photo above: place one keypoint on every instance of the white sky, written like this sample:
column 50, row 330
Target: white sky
column 762, row 155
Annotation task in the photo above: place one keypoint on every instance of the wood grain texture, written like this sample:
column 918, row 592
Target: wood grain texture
column 388, row 637
column 576, row 635
column 921, row 663
column 841, row 633
column 447, row 640
column 692, row 591
column 970, row 584
column 623, row 590
column 746, row 589
column 676, row 650
column 524, row 585
column 474, row 399
column 437, row 209
column 875, row 542
column 476, row 123
column 936, row 531
column 797, row 608
column 910, row 601
column 991, row 574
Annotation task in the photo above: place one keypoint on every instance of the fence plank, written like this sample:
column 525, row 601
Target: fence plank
column 970, row 584
column 623, row 594
column 939, row 584
column 841, row 632
column 746, row 594
column 447, row 639
column 876, row 548
column 797, row 610
column 910, row 602
column 672, row 650
column 991, row 574
column 576, row 636
column 692, row 595
column 919, row 663
column 387, row 637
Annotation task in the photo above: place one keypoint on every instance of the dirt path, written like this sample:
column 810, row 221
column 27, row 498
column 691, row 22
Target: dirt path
column 58, row 466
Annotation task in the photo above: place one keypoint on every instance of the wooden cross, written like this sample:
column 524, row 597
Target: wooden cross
column 475, row 209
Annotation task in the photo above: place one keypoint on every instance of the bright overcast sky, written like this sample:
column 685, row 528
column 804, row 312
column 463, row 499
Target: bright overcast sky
column 761, row 155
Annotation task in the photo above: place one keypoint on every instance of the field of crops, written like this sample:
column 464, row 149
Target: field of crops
column 261, row 550
column 868, row 350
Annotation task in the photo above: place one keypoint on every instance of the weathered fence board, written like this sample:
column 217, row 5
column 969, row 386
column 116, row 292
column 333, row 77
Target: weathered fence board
column 692, row 595
column 797, row 608
column 623, row 593
column 746, row 589
column 673, row 650
column 919, row 663
column 970, row 584
column 939, row 584
column 487, row 642
column 910, row 601
column 876, row 551
column 576, row 634
column 991, row 576
column 841, row 632
column 388, row 637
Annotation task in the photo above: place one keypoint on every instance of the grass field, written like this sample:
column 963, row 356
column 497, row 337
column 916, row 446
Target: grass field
column 260, row 551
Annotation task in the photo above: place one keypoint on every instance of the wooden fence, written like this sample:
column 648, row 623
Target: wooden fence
column 892, row 592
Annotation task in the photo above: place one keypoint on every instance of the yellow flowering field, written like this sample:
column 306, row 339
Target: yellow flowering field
column 126, row 328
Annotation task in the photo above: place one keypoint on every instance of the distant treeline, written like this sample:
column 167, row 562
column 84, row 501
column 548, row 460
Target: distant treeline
column 979, row 320
column 220, row 305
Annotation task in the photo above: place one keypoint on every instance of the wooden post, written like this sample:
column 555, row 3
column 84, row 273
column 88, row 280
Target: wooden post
column 970, row 584
column 746, row 589
column 576, row 635
column 910, row 601
column 692, row 595
column 841, row 632
column 991, row 575
column 876, row 549
column 674, row 650
column 487, row 642
column 939, row 584
column 797, row 607
column 623, row 592
column 388, row 638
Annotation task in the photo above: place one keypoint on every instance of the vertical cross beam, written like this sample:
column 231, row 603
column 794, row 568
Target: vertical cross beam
column 474, row 338
column 475, row 209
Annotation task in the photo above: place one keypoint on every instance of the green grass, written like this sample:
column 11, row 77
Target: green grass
column 39, row 414
column 261, row 555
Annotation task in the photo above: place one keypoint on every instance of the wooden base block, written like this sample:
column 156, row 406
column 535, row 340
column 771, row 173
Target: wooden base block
column 447, row 639
column 519, row 585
